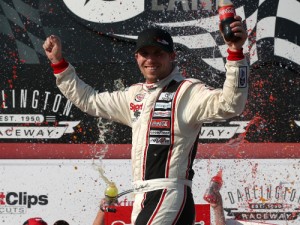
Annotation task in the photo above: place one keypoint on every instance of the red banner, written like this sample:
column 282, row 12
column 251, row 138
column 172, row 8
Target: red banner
column 122, row 151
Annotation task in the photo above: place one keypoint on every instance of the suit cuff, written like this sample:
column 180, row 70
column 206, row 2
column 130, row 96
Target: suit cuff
column 60, row 66
column 235, row 56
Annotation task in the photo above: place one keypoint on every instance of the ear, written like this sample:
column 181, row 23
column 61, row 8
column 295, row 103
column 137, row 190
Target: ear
column 135, row 55
column 173, row 56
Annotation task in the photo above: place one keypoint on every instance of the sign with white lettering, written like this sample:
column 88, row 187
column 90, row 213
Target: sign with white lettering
column 254, row 190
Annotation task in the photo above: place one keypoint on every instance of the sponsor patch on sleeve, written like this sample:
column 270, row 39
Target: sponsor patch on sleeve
column 242, row 79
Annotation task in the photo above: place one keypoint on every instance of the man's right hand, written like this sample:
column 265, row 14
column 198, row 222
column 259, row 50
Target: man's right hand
column 53, row 50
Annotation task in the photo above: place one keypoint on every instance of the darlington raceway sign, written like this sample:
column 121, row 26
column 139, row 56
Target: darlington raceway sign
column 32, row 126
column 36, row 132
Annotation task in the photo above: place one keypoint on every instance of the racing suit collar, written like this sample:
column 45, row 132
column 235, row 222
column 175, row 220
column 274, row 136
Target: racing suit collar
column 174, row 75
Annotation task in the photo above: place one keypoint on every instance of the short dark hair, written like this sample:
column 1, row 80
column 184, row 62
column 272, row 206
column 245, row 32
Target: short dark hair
column 61, row 222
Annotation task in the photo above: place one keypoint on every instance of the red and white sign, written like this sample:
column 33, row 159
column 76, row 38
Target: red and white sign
column 123, row 214
column 72, row 189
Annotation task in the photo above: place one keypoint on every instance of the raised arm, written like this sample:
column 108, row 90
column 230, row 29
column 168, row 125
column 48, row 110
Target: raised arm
column 207, row 104
column 111, row 106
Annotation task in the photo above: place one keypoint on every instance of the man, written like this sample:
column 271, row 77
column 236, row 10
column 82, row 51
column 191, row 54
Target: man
column 165, row 114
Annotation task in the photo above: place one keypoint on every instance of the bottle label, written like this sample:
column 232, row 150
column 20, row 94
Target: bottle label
column 226, row 12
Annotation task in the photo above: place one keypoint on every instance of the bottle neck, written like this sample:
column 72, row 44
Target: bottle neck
column 223, row 3
column 226, row 12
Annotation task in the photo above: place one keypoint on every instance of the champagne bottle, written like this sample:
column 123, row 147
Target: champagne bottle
column 111, row 193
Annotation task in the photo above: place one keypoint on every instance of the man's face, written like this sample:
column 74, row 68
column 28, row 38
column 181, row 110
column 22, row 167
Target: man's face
column 154, row 63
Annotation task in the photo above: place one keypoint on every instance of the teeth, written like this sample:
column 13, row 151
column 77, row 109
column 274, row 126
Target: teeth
column 151, row 67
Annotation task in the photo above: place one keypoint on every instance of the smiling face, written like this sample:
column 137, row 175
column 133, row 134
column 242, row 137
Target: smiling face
column 154, row 63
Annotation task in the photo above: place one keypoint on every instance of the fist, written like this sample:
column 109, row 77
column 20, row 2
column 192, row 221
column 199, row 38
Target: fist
column 239, row 32
column 53, row 50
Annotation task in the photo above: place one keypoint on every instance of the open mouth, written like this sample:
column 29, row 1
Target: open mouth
column 152, row 68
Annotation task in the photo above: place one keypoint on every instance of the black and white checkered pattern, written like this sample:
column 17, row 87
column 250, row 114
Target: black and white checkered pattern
column 273, row 28
column 273, row 34
column 21, row 25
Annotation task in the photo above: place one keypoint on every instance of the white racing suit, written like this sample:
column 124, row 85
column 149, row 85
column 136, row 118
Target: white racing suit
column 166, row 118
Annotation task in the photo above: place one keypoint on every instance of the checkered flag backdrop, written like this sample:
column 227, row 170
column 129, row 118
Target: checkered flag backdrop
column 273, row 27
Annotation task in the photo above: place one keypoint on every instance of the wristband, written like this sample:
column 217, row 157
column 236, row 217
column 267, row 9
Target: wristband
column 60, row 66
column 235, row 56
